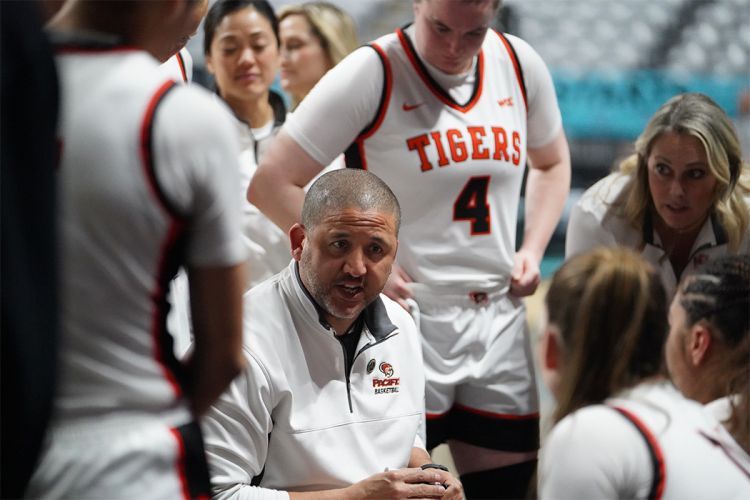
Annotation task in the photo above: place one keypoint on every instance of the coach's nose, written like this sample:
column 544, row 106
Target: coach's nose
column 355, row 265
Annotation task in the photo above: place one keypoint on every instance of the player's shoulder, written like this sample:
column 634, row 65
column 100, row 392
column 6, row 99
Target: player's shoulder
column 591, row 427
column 600, row 197
column 193, row 111
column 523, row 49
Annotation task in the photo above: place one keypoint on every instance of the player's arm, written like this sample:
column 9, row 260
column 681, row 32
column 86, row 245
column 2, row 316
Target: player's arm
column 216, row 307
column 282, row 174
column 325, row 123
column 584, row 232
column 196, row 152
column 548, row 182
column 547, row 188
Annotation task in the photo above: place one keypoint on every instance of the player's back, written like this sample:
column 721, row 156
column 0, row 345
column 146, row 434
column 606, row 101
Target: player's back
column 121, row 238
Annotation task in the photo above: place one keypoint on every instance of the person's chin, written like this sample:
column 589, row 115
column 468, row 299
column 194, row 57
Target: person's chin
column 346, row 309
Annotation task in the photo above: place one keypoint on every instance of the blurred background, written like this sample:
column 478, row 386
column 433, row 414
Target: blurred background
column 614, row 62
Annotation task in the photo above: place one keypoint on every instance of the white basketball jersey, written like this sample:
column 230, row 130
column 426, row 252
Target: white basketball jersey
column 179, row 67
column 137, row 200
column 456, row 168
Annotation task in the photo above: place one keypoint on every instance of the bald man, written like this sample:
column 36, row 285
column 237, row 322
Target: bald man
column 333, row 392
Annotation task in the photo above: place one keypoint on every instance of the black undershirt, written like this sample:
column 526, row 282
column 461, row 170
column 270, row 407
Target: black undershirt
column 350, row 339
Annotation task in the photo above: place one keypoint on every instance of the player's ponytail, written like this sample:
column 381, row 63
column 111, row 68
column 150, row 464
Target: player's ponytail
column 610, row 308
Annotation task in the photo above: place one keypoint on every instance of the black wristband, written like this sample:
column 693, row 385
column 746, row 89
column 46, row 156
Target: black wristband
column 434, row 466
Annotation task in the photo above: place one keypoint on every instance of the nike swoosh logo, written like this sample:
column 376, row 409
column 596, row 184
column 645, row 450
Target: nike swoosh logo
column 409, row 107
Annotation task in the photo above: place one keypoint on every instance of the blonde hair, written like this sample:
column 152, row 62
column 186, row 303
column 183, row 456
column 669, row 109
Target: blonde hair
column 610, row 308
column 699, row 116
column 332, row 26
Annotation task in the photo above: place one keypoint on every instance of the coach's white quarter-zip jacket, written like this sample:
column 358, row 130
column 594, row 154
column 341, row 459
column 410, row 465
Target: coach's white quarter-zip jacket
column 299, row 418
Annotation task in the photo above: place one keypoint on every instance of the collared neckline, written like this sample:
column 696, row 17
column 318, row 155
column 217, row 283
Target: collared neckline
column 712, row 233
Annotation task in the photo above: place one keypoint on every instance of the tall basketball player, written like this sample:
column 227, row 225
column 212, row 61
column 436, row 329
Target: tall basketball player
column 447, row 111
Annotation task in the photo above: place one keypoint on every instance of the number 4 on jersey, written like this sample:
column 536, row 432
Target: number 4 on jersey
column 472, row 205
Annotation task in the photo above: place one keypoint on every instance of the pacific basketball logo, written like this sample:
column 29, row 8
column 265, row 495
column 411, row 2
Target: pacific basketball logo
column 389, row 384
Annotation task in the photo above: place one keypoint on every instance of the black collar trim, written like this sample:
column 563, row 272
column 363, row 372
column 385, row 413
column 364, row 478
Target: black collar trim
column 413, row 55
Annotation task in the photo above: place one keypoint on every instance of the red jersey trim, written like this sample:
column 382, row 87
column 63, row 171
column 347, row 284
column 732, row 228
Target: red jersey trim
column 431, row 84
column 147, row 153
column 516, row 66
column 181, row 64
column 386, row 95
column 435, row 416
column 499, row 416
column 657, row 457
column 180, row 464
column 170, row 246
column 355, row 154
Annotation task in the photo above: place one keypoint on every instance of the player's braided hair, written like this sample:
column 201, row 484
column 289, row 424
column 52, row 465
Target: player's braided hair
column 720, row 295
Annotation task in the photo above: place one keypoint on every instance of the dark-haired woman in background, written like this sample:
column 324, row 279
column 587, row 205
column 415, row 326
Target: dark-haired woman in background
column 708, row 348
column 241, row 46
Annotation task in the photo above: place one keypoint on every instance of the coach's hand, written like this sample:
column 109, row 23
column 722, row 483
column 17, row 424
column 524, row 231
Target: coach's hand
column 400, row 483
column 525, row 277
column 396, row 287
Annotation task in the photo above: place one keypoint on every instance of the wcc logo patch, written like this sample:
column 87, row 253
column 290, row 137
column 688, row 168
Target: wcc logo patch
column 387, row 385
column 370, row 366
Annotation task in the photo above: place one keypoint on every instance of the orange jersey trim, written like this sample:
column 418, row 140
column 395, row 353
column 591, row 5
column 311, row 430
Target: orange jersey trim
column 433, row 86
column 516, row 66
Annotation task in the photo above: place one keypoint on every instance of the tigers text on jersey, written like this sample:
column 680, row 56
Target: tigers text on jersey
column 465, row 161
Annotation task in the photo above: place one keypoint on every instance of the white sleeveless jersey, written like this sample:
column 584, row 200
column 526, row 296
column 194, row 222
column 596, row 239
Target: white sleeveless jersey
column 456, row 168
column 648, row 443
column 148, row 179
column 179, row 67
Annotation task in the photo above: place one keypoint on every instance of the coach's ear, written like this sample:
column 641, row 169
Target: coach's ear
column 297, row 240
